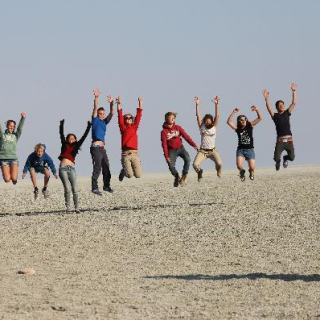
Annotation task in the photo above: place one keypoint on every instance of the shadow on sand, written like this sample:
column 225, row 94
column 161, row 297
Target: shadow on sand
column 250, row 276
column 105, row 209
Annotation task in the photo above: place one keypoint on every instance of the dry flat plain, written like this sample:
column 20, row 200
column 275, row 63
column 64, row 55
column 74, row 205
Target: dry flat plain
column 219, row 249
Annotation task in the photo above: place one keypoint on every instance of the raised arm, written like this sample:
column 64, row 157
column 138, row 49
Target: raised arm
column 20, row 126
column 1, row 130
column 120, row 113
column 259, row 116
column 199, row 120
column 110, row 115
column 216, row 102
column 61, row 131
column 266, row 94
column 80, row 142
column 96, row 94
column 230, row 119
column 294, row 101
column 139, row 112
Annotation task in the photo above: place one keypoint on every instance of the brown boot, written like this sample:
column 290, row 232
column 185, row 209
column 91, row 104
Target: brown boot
column 183, row 180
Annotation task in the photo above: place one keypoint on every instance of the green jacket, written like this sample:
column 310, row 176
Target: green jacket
column 8, row 142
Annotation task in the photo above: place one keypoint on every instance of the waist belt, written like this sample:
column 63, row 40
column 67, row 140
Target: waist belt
column 289, row 139
column 207, row 149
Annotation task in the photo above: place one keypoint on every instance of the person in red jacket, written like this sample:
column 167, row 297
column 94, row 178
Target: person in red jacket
column 131, row 165
column 172, row 147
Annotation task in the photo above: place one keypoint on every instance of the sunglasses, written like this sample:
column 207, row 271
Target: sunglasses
column 128, row 118
column 243, row 119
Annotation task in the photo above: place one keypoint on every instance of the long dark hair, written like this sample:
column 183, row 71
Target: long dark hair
column 9, row 121
column 69, row 135
column 239, row 122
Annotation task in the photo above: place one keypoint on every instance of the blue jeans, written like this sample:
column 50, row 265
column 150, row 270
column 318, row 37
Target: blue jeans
column 173, row 155
column 246, row 153
column 68, row 174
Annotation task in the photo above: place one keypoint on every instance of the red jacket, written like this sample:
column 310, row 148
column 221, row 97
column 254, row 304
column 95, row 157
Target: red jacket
column 129, row 133
column 171, row 138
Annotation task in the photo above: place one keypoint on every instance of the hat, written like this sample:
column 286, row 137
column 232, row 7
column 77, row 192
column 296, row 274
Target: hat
column 169, row 114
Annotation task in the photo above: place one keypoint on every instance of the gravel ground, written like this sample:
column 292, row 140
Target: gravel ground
column 219, row 249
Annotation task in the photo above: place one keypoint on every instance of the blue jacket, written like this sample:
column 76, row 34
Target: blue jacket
column 34, row 161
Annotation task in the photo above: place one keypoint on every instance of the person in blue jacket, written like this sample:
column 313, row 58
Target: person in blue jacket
column 39, row 162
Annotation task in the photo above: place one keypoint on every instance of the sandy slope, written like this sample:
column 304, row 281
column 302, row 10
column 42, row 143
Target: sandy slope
column 221, row 249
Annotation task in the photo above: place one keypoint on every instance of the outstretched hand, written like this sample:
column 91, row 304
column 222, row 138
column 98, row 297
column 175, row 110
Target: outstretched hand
column 265, row 94
column 118, row 100
column 293, row 87
column 109, row 99
column 197, row 100
column 23, row 115
column 216, row 100
column 96, row 92
column 23, row 175
column 235, row 110
column 254, row 108
column 140, row 99
column 56, row 176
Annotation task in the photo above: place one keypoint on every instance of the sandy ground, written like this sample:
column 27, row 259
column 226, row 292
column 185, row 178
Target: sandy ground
column 219, row 249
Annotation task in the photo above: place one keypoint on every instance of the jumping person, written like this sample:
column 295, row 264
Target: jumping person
column 98, row 152
column 172, row 147
column 281, row 120
column 208, row 129
column 70, row 147
column 245, row 150
column 39, row 162
column 131, row 165
column 8, row 149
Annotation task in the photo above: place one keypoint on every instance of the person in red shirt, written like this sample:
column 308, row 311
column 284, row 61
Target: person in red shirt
column 172, row 147
column 128, row 125
column 70, row 147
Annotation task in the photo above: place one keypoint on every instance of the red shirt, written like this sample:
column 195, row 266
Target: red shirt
column 171, row 138
column 129, row 133
column 67, row 153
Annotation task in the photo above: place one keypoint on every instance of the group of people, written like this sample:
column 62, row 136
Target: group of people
column 171, row 138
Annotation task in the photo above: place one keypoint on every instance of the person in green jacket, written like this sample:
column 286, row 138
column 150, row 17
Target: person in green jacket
column 8, row 149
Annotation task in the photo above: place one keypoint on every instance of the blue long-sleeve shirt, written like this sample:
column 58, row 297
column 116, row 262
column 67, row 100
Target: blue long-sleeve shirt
column 34, row 161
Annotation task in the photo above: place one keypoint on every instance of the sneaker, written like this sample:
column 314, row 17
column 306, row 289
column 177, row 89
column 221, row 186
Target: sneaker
column 200, row 172
column 183, row 180
column 45, row 193
column 14, row 182
column 285, row 163
column 122, row 175
column 67, row 210
column 251, row 174
column 77, row 210
column 242, row 176
column 219, row 173
column 176, row 181
column 278, row 165
column 36, row 193
column 97, row 192
column 108, row 189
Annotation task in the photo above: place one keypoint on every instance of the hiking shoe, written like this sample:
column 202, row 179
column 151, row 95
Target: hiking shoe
column 45, row 193
column 183, row 179
column 200, row 172
column 278, row 165
column 251, row 174
column 176, row 181
column 122, row 175
column 285, row 163
column 242, row 176
column 108, row 189
column 219, row 173
column 35, row 194
column 97, row 192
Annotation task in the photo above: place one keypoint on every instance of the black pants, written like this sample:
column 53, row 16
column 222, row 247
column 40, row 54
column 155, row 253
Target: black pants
column 284, row 146
column 100, row 161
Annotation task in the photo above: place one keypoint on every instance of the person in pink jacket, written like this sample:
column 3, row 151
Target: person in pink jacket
column 172, row 147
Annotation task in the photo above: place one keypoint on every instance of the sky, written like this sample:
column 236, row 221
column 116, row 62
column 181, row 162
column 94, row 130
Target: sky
column 54, row 53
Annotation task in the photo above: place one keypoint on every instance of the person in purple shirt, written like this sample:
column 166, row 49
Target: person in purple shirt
column 98, row 152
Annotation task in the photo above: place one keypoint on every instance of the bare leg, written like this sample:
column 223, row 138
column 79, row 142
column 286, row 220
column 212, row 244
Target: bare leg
column 14, row 173
column 33, row 178
column 46, row 177
column 240, row 163
column 252, row 164
column 6, row 173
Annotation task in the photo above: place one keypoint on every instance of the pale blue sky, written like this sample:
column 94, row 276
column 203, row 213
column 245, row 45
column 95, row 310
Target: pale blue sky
column 54, row 53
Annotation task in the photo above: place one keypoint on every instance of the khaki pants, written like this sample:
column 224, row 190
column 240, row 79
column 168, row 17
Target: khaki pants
column 203, row 155
column 131, row 164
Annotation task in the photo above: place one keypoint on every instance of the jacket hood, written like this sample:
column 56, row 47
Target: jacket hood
column 166, row 126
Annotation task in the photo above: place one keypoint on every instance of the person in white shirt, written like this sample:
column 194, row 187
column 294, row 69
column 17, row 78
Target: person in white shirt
column 208, row 130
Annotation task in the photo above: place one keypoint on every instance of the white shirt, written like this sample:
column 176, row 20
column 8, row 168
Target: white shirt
column 208, row 137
